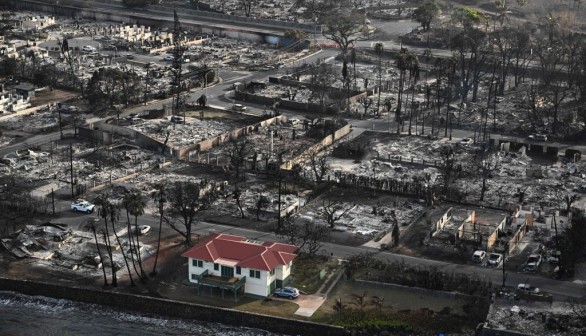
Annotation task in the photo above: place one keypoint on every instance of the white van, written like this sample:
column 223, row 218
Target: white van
column 239, row 107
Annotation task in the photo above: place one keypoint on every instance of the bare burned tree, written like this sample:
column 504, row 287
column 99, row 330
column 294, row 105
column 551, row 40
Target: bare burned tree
column 486, row 164
column 366, row 103
column 247, row 6
column 323, row 77
column 185, row 200
column 261, row 203
column 344, row 28
column 335, row 211
column 238, row 152
column 566, row 199
column 305, row 234
column 319, row 165
column 469, row 55
column 447, row 167
column 70, row 60
column 17, row 207
column 236, row 195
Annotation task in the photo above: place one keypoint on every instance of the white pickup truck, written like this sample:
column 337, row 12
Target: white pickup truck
column 82, row 206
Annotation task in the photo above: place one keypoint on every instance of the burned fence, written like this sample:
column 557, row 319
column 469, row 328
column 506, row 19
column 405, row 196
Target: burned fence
column 391, row 185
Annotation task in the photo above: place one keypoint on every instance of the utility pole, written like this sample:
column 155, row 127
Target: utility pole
column 71, row 168
column 557, row 242
column 279, row 206
column 504, row 263
column 53, row 200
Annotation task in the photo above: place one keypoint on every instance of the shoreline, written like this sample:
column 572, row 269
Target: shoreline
column 170, row 308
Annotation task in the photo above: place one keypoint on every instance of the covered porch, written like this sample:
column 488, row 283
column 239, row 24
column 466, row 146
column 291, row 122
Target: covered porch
column 231, row 284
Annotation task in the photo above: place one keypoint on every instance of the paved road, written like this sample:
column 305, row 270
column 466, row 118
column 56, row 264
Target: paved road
column 560, row 289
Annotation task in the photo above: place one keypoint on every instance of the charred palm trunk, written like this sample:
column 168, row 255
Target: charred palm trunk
column 132, row 245
column 123, row 254
column 143, row 275
column 109, row 250
column 100, row 254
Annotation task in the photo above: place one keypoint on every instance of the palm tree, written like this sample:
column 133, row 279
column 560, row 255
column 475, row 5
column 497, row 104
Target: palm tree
column 104, row 212
column 378, row 48
column 413, row 62
column 159, row 195
column 360, row 300
column 402, row 66
column 115, row 217
column 405, row 62
column 339, row 306
column 379, row 302
column 134, row 204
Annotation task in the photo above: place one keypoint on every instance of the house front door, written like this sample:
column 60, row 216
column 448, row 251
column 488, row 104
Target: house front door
column 227, row 272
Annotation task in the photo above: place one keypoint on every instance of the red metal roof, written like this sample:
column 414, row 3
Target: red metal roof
column 257, row 255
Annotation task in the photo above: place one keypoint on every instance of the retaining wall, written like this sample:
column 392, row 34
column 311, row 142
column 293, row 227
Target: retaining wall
column 415, row 290
column 150, row 305
column 486, row 331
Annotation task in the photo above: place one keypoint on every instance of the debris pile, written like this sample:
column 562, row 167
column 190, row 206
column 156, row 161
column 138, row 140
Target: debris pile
column 177, row 134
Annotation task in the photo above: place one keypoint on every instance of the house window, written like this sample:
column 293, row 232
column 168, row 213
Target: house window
column 193, row 277
column 216, row 266
column 197, row 263
column 273, row 271
column 238, row 270
column 255, row 274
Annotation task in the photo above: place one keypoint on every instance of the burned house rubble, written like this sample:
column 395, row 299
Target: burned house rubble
column 508, row 317
column 431, row 141
column 37, row 241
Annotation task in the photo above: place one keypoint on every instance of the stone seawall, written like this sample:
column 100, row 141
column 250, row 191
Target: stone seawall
column 150, row 305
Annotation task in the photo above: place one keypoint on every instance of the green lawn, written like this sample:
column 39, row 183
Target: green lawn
column 269, row 307
column 306, row 272
column 398, row 308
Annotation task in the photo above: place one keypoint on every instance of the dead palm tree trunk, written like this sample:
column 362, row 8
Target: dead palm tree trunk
column 143, row 275
column 100, row 254
column 123, row 254
column 109, row 246
column 154, row 272
column 131, row 241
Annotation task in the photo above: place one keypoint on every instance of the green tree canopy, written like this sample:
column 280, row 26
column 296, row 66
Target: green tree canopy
column 467, row 17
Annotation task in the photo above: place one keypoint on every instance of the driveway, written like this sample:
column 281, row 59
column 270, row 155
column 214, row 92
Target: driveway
column 308, row 304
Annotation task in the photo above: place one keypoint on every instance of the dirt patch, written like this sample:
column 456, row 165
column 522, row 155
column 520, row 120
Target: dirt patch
column 51, row 96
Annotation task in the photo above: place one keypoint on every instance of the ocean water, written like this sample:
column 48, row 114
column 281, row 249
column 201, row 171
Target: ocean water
column 22, row 315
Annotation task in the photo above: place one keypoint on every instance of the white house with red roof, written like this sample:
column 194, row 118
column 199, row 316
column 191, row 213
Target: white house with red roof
column 233, row 262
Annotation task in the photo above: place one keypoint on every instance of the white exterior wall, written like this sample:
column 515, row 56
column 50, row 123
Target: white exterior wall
column 194, row 270
column 282, row 272
column 253, row 286
column 256, row 286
